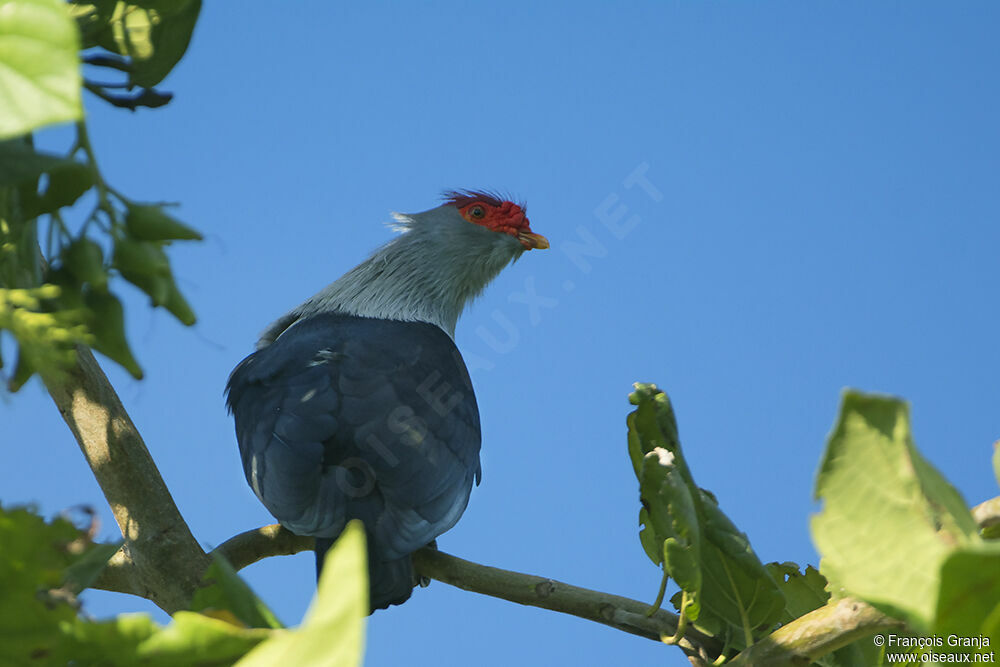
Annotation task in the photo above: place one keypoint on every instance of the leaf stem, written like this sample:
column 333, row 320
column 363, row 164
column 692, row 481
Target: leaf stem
column 659, row 595
column 103, row 202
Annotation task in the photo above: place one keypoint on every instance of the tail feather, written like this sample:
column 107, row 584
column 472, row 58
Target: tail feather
column 389, row 581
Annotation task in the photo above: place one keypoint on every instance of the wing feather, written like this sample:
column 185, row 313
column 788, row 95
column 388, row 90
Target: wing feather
column 346, row 417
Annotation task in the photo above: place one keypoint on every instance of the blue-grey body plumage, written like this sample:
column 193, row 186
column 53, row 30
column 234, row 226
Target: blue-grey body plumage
column 346, row 417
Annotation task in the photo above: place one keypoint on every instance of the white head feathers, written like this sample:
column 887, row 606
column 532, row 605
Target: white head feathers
column 438, row 263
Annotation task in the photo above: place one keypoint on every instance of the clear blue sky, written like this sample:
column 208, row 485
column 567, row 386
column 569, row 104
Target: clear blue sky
column 827, row 215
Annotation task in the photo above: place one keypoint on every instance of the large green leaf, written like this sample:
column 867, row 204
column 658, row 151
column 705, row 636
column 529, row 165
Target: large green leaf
column 39, row 624
column 171, row 34
column 135, row 640
column 738, row 589
column 968, row 604
column 153, row 33
column 730, row 592
column 32, row 559
column 672, row 518
column 889, row 519
column 332, row 633
column 39, row 66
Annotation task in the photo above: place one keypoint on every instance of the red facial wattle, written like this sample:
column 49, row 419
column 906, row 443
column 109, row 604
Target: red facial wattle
column 500, row 216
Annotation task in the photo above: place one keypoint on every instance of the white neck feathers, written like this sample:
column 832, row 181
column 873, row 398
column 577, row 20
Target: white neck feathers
column 428, row 273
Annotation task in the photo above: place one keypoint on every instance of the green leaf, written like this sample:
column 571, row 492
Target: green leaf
column 134, row 640
column 647, row 536
column 150, row 223
column 141, row 257
column 225, row 589
column 154, row 33
column 734, row 595
column 38, row 627
column 39, row 66
column 32, row 560
column 85, row 260
column 46, row 334
column 84, row 572
column 889, row 518
column 66, row 185
column 332, row 633
column 23, row 371
column 107, row 324
column 196, row 639
column 803, row 592
column 672, row 513
column 92, row 19
column 737, row 587
column 177, row 305
column 20, row 163
column 968, row 603
column 145, row 265
column 171, row 35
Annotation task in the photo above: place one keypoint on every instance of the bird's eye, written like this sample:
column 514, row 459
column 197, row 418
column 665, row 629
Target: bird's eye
column 477, row 212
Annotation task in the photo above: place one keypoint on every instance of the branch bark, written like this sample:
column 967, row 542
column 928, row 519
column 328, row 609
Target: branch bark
column 618, row 612
column 987, row 515
column 254, row 545
column 160, row 559
column 816, row 634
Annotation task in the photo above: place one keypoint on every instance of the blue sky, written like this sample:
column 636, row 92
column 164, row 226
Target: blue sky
column 819, row 210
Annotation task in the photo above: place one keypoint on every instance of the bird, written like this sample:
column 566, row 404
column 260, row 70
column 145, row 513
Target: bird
column 357, row 404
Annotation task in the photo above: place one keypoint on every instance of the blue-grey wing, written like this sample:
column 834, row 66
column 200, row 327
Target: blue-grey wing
column 345, row 417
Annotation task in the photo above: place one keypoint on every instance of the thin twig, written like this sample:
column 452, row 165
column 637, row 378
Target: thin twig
column 618, row 612
column 112, row 62
column 254, row 545
column 147, row 97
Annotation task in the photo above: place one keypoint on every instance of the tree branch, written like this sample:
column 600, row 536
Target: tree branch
column 160, row 559
column 254, row 545
column 147, row 97
column 618, row 612
column 816, row 634
column 987, row 515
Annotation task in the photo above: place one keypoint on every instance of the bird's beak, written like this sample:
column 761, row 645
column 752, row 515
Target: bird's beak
column 532, row 241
